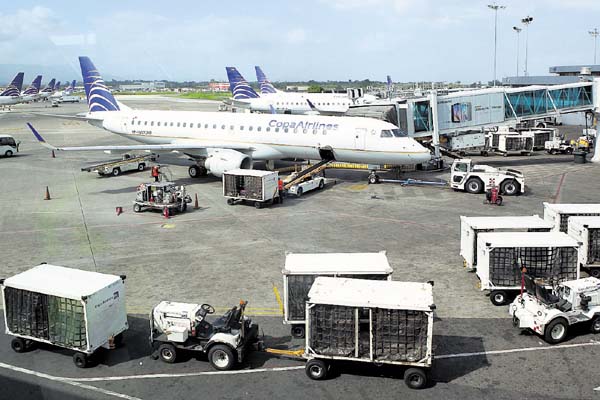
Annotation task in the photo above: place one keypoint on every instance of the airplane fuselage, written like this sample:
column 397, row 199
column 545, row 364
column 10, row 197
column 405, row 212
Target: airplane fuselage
column 271, row 137
column 296, row 103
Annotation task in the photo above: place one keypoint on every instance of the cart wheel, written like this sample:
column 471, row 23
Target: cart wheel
column 221, row 357
column 167, row 353
column 18, row 345
column 556, row 331
column 258, row 204
column 499, row 201
column 80, row 360
column 415, row 378
column 230, row 202
column 316, row 369
column 116, row 171
column 137, row 208
column 498, row 297
column 297, row 331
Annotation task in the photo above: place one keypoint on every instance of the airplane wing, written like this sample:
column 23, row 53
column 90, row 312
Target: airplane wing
column 333, row 113
column 173, row 146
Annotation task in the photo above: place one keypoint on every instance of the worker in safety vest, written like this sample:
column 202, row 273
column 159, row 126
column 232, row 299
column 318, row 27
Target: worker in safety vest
column 155, row 173
column 280, row 187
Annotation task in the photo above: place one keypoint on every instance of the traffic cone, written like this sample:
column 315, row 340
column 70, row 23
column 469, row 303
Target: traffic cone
column 53, row 156
column 196, row 206
column 166, row 212
column 47, row 196
column 119, row 211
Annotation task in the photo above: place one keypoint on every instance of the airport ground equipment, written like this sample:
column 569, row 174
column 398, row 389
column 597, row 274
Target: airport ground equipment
column 179, row 327
column 551, row 312
column 542, row 135
column 69, row 99
column 492, row 196
column 308, row 179
column 377, row 322
column 510, row 143
column 317, row 182
column 559, row 213
column 587, row 231
column 474, row 178
column 164, row 196
column 128, row 162
column 552, row 256
column 558, row 146
column 301, row 270
column 471, row 227
column 8, row 146
column 82, row 311
column 251, row 185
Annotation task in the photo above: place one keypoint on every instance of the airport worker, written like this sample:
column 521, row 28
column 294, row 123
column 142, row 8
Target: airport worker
column 155, row 173
column 280, row 187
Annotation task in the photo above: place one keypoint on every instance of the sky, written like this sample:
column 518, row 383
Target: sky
column 411, row 40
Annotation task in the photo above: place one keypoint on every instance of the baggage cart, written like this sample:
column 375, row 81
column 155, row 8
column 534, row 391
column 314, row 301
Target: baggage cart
column 587, row 231
column 559, row 214
column 251, row 185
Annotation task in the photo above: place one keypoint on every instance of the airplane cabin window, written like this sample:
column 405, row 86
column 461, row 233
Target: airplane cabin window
column 132, row 122
column 145, row 123
column 304, row 130
column 315, row 131
column 172, row 123
column 214, row 126
column 152, row 123
column 231, row 127
column 178, row 124
column 158, row 123
column 286, row 130
column 191, row 124
column 250, row 128
column 184, row 124
column 241, row 127
column 259, row 129
column 268, row 129
column 205, row 126
column 139, row 122
column 276, row 129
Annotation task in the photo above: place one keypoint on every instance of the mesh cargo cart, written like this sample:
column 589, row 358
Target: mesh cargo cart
column 587, row 231
column 551, row 256
column 379, row 322
column 249, row 185
column 77, row 310
column 301, row 270
column 559, row 214
column 470, row 227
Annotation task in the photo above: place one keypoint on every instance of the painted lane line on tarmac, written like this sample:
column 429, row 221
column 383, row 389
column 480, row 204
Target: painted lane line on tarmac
column 493, row 352
column 184, row 374
column 67, row 381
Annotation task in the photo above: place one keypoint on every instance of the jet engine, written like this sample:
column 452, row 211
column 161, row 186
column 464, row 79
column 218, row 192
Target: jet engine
column 222, row 160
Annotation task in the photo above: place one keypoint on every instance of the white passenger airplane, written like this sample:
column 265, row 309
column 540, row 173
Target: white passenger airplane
column 12, row 94
column 48, row 90
column 219, row 141
column 286, row 102
column 60, row 93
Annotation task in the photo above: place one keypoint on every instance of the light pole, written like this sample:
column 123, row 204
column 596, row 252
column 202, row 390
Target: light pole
column 595, row 34
column 518, row 30
column 526, row 21
column 495, row 7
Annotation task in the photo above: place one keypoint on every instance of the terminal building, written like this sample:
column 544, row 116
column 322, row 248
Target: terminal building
column 560, row 75
column 143, row 87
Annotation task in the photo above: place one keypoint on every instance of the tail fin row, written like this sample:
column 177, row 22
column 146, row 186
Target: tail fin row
column 240, row 89
column 266, row 86
column 98, row 94
column 14, row 88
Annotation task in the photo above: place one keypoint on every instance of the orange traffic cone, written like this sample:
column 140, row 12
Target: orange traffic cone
column 53, row 156
column 196, row 206
column 47, row 196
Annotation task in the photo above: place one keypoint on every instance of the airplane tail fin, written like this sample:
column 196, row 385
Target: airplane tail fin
column 57, row 86
column 265, row 85
column 240, row 89
column 99, row 97
column 14, row 89
column 50, row 86
column 34, row 88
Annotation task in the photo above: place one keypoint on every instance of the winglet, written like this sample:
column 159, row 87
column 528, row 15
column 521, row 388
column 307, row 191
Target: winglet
column 40, row 138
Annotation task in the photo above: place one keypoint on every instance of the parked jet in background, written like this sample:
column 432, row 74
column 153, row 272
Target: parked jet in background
column 266, row 87
column 12, row 94
column 60, row 93
column 33, row 91
column 48, row 90
column 219, row 141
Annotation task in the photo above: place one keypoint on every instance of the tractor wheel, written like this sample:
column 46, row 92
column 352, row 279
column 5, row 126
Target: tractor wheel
column 167, row 353
column 498, row 297
column 510, row 188
column 221, row 357
column 474, row 186
column 316, row 369
column 116, row 171
column 556, row 331
column 8, row 153
column 595, row 326
column 415, row 378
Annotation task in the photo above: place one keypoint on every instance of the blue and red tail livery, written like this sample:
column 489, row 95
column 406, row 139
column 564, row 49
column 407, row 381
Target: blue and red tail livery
column 266, row 86
column 240, row 89
column 98, row 94
column 34, row 88
column 14, row 89
column 49, row 87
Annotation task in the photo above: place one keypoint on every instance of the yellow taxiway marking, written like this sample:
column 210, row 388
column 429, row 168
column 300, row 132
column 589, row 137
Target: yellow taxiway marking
column 358, row 187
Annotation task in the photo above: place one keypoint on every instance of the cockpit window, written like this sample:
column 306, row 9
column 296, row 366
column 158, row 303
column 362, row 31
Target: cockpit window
column 399, row 133
column 386, row 133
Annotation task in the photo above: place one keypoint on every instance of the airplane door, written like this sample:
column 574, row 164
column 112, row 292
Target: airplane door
column 359, row 138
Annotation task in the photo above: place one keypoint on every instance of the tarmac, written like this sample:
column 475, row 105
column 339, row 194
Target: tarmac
column 219, row 254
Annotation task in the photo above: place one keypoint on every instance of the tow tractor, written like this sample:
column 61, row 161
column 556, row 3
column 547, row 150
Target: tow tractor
column 165, row 196
column 473, row 178
column 558, row 145
column 179, row 327
column 550, row 313
column 128, row 162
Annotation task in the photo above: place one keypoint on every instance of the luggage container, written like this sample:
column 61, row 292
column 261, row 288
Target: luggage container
column 559, row 214
column 251, row 185
column 587, row 231
column 301, row 270
column 78, row 310
column 551, row 256
column 509, row 143
column 470, row 227
column 379, row 322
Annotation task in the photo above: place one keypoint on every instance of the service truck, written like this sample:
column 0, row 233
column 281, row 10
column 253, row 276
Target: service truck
column 128, row 162
column 474, row 178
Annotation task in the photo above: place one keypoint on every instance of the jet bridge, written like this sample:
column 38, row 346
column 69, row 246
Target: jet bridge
column 479, row 109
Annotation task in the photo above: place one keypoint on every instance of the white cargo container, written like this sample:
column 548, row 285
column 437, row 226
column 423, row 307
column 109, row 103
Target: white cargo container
column 509, row 143
column 251, row 185
column 301, row 270
column 380, row 322
column 470, row 227
column 552, row 256
column 587, row 231
column 559, row 214
column 78, row 310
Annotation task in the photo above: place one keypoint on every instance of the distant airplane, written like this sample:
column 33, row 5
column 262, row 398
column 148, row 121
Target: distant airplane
column 60, row 93
column 266, row 87
column 57, row 86
column 33, row 91
column 12, row 94
column 288, row 102
column 48, row 90
column 219, row 141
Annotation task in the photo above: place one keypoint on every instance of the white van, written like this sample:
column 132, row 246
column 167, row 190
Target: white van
column 8, row 146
